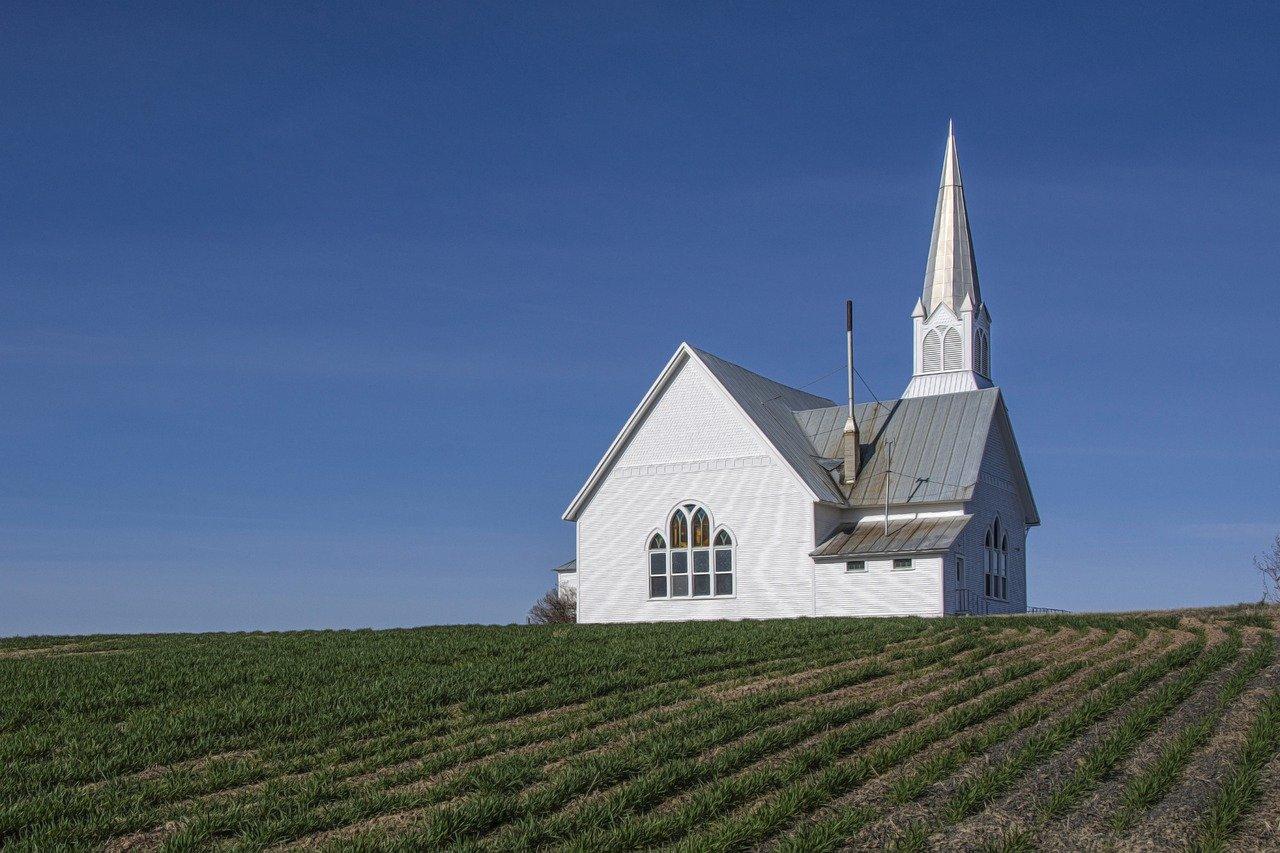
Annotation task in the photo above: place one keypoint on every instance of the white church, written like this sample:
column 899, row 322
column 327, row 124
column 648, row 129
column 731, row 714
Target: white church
column 730, row 496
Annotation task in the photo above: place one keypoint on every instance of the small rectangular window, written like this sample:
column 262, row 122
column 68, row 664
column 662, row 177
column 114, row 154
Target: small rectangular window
column 679, row 586
column 855, row 566
column 679, row 562
column 901, row 564
column 658, row 587
column 724, row 584
column 702, row 584
column 701, row 561
column 724, row 561
column 658, row 564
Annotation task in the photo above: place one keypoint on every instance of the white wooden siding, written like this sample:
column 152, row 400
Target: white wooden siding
column 995, row 493
column 881, row 590
column 694, row 445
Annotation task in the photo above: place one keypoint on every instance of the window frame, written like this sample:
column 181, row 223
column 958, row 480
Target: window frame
column 861, row 564
column 995, row 561
column 691, row 522
column 909, row 567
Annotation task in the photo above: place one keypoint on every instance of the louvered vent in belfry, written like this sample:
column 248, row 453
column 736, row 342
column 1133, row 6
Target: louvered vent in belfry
column 951, row 350
column 932, row 352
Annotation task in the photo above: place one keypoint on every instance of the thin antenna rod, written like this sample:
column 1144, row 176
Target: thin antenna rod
column 888, row 469
column 848, row 335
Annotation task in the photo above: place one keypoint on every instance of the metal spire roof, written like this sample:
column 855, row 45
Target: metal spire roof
column 952, row 273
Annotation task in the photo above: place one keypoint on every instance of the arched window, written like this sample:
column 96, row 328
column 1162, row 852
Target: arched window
column 657, row 567
column 932, row 352
column 995, row 562
column 952, row 350
column 1004, row 566
column 690, row 562
column 724, row 563
column 701, row 553
column 981, row 353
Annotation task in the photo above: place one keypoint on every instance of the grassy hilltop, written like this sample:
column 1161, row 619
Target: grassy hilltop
column 1154, row 731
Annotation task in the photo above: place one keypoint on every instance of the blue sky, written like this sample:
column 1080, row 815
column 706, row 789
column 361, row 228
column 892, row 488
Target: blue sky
column 319, row 315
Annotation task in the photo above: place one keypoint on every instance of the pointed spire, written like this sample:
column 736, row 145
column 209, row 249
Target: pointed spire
column 952, row 273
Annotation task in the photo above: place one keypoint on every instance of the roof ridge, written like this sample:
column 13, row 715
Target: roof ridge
column 792, row 388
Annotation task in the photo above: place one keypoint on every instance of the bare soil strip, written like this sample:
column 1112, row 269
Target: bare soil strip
column 1260, row 830
column 564, row 744
column 346, row 757
column 934, row 690
column 1080, row 733
column 929, row 808
column 861, row 804
column 1018, row 811
column 1174, row 820
column 1119, row 649
column 39, row 652
column 869, row 691
column 1089, row 826
column 345, row 750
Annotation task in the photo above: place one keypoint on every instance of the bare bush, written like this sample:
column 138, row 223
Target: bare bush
column 555, row 608
column 1268, row 566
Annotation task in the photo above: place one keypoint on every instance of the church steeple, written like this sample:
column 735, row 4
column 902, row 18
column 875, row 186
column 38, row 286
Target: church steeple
column 951, row 324
column 951, row 273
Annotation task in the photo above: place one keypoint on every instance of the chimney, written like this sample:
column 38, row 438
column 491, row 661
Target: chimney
column 850, row 442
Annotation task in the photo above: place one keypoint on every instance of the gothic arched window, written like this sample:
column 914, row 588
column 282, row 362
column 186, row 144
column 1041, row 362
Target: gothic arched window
column 995, row 562
column 691, row 562
column 981, row 354
column 932, row 352
column 952, row 350
column 724, row 563
column 657, row 567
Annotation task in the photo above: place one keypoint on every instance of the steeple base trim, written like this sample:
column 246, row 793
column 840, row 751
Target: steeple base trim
column 951, row 382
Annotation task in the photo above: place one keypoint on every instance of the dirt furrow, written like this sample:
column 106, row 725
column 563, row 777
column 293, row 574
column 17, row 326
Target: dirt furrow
column 886, row 830
column 1175, row 818
column 891, row 697
column 1260, row 829
column 484, row 732
column 904, row 698
column 1087, row 826
column 1018, row 810
column 1120, row 647
column 151, row 837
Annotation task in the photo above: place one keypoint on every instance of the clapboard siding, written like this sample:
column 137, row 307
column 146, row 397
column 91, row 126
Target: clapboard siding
column 881, row 590
column 695, row 446
column 995, row 494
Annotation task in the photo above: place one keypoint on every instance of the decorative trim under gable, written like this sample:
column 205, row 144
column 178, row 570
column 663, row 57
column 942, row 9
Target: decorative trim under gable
column 689, row 467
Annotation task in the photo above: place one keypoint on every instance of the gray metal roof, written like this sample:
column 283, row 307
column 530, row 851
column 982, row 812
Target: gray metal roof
column 937, row 445
column 571, row 566
column 914, row 536
column 937, row 441
column 771, row 405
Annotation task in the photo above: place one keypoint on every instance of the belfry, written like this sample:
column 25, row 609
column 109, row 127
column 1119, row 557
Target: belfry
column 951, row 324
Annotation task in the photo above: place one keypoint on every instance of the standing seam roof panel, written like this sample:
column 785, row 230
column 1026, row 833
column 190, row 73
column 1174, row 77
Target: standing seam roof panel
column 909, row 455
